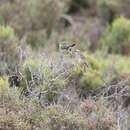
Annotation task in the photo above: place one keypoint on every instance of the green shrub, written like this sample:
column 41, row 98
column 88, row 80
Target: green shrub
column 116, row 37
column 91, row 80
column 35, row 15
column 12, row 112
column 1, row 20
column 5, row 9
column 102, row 71
column 57, row 118
column 44, row 78
column 25, row 16
column 107, row 10
column 121, row 69
column 37, row 39
column 8, row 46
column 4, row 85
column 47, row 11
column 6, row 32
column 88, row 77
column 36, row 67
column 95, row 65
column 113, row 66
column 32, row 72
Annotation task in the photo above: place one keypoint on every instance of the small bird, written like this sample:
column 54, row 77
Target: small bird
column 66, row 46
column 65, row 49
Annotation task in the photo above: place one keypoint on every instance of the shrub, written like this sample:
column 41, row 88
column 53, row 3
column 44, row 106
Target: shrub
column 31, row 15
column 32, row 75
column 49, row 17
column 91, row 77
column 37, row 39
column 29, row 67
column 121, row 69
column 99, row 114
column 4, row 86
column 107, row 10
column 11, row 110
column 1, row 20
column 6, row 32
column 40, row 76
column 25, row 16
column 57, row 118
column 5, row 9
column 125, row 8
column 8, row 46
column 116, row 37
column 113, row 67
column 91, row 80
column 95, row 65
column 101, row 71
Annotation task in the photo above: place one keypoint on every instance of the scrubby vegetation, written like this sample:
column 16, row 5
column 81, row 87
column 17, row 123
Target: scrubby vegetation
column 8, row 48
column 64, row 65
column 117, row 36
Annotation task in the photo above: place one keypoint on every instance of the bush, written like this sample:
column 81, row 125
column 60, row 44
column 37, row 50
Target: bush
column 1, row 20
column 107, row 10
column 95, row 65
column 49, row 17
column 91, row 80
column 8, row 47
column 121, row 69
column 53, row 81
column 113, row 67
column 101, row 71
column 116, row 37
column 57, row 118
column 99, row 114
column 5, row 9
column 25, row 16
column 41, row 77
column 11, row 110
column 4, row 86
column 37, row 39
column 89, row 77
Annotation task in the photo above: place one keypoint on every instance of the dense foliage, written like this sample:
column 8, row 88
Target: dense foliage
column 64, row 64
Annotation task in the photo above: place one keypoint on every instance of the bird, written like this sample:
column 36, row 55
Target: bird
column 65, row 49
column 64, row 45
column 75, row 54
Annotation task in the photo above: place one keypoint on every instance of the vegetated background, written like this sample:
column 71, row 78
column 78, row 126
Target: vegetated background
column 64, row 64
